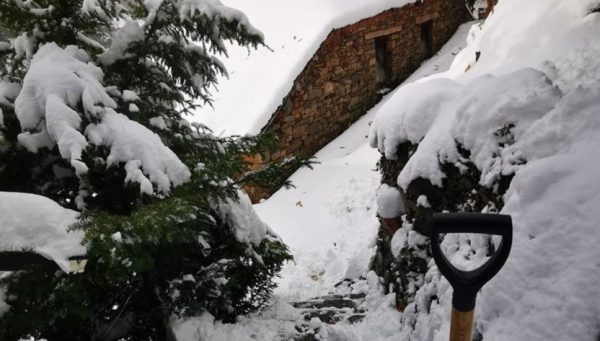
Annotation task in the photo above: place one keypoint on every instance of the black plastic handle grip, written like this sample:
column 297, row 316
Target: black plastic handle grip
column 466, row 284
column 498, row 224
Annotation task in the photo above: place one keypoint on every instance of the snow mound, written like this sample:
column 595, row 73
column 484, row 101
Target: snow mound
column 39, row 224
column 390, row 203
column 529, row 107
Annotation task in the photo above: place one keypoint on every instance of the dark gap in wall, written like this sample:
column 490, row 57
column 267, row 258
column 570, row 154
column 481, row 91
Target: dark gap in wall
column 383, row 58
column 427, row 38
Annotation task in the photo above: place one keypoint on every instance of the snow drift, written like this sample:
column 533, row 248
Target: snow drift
column 536, row 82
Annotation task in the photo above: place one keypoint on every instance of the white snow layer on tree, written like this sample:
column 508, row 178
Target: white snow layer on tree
column 130, row 32
column 240, row 213
column 293, row 32
column 34, row 222
column 390, row 203
column 537, row 80
column 61, row 80
column 214, row 8
column 141, row 150
column 192, row 8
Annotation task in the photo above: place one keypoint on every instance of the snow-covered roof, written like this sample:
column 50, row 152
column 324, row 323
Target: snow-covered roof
column 33, row 222
column 260, row 79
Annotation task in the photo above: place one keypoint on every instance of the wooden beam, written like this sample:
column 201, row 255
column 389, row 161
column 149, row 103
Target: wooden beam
column 426, row 17
column 382, row 33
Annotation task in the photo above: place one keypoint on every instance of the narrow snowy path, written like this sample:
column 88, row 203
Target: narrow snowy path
column 329, row 222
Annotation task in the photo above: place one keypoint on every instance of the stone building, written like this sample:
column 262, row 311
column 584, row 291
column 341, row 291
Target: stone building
column 352, row 69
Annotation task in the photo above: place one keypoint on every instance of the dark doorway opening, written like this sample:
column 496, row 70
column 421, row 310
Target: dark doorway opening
column 427, row 38
column 383, row 58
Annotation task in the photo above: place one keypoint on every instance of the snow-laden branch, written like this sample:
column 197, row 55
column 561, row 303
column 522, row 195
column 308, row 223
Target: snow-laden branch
column 62, row 82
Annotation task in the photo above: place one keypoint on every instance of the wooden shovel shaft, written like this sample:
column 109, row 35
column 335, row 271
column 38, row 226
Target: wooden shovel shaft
column 461, row 325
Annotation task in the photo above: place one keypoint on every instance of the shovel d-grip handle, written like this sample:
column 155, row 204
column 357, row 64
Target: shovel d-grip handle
column 466, row 284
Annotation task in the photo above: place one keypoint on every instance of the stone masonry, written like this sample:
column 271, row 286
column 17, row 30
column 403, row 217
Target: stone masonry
column 351, row 70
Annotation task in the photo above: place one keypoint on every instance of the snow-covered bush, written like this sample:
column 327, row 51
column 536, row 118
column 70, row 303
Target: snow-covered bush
column 513, row 129
column 93, row 96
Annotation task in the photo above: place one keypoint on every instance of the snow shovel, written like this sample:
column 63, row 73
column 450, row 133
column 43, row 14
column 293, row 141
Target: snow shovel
column 466, row 284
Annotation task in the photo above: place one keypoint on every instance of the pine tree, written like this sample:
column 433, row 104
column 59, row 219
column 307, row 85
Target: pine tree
column 93, row 99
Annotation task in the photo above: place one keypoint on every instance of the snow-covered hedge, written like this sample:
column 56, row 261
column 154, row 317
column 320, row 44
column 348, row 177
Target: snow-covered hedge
column 527, row 109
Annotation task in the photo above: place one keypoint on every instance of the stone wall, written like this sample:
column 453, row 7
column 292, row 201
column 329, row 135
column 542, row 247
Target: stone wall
column 346, row 77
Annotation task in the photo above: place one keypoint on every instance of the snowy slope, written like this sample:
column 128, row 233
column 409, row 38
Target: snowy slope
column 260, row 79
column 539, row 72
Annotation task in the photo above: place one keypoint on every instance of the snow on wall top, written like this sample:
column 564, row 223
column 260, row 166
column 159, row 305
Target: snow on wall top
column 38, row 223
column 260, row 79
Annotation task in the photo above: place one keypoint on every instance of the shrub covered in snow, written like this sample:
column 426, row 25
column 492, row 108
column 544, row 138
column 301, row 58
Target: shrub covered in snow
column 93, row 96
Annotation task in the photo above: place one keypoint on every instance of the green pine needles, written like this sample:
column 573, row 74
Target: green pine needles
column 93, row 99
